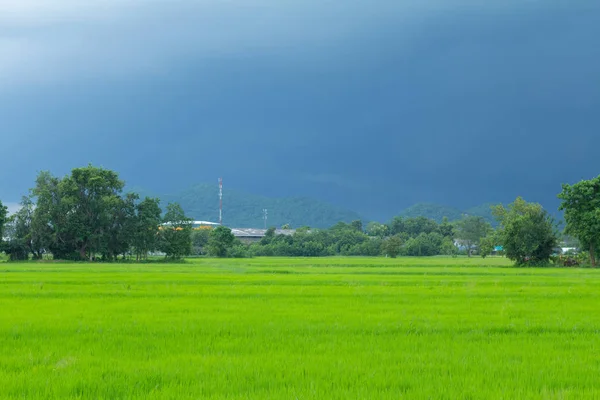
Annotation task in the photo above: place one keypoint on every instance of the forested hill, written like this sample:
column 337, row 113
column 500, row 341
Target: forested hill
column 437, row 212
column 244, row 210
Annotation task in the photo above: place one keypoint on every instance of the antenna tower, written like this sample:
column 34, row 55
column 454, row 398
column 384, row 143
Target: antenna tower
column 220, row 201
column 265, row 216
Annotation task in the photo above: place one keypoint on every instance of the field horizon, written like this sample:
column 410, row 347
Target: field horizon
column 305, row 328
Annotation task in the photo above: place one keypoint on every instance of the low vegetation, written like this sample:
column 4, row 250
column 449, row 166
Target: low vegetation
column 332, row 328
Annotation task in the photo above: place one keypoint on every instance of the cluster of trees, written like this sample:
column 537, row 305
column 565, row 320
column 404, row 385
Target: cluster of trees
column 526, row 233
column 418, row 236
column 85, row 216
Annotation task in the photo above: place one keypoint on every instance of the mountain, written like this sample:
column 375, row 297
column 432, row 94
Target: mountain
column 437, row 212
column 431, row 210
column 244, row 210
column 485, row 211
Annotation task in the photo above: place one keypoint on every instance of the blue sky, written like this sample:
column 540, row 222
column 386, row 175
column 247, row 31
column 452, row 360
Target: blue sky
column 373, row 105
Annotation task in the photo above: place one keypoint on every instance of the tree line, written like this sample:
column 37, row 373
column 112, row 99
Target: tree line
column 86, row 216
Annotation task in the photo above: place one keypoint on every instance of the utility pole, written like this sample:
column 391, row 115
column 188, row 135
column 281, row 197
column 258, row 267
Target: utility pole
column 265, row 217
column 220, row 201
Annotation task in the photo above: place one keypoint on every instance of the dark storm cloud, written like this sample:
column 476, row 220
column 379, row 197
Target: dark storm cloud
column 374, row 105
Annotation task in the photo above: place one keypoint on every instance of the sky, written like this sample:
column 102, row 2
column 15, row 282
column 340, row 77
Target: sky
column 372, row 105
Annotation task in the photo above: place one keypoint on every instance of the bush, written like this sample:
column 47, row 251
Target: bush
column 238, row 251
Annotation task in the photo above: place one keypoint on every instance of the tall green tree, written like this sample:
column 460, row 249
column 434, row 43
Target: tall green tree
column 200, row 240
column 415, row 226
column 487, row 245
column 446, row 229
column 50, row 220
column 116, row 238
column 24, row 238
column 357, row 225
column 581, row 204
column 377, row 229
column 392, row 246
column 396, row 225
column 92, row 195
column 526, row 232
column 84, row 215
column 3, row 218
column 146, row 222
column 220, row 241
column 470, row 230
column 176, row 233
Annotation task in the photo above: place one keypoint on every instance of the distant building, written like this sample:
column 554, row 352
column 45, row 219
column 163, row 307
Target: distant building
column 247, row 235
column 250, row 235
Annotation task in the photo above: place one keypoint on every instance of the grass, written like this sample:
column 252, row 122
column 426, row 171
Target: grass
column 336, row 328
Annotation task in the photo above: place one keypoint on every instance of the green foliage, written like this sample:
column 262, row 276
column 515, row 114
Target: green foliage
column 424, row 245
column 3, row 218
column 581, row 204
column 470, row 230
column 238, row 250
column 220, row 241
column 176, row 233
column 84, row 216
column 21, row 239
column 146, row 222
column 377, row 229
column 392, row 246
column 357, row 225
column 446, row 229
column 526, row 232
column 487, row 245
column 448, row 248
column 200, row 241
column 418, row 225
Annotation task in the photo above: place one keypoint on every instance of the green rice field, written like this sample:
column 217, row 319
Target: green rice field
column 333, row 328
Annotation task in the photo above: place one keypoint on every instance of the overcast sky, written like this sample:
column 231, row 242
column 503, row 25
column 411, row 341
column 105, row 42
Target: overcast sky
column 374, row 105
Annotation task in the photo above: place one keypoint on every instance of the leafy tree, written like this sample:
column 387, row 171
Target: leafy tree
column 24, row 239
column 220, row 240
column 392, row 246
column 14, row 246
column 176, row 233
column 238, row 250
column 487, row 245
column 526, row 232
column 357, row 225
column 470, row 230
column 377, row 229
column 415, row 226
column 200, row 240
column 448, row 248
column 49, row 220
column 446, row 229
column 269, row 235
column 116, row 238
column 581, row 204
column 425, row 244
column 74, row 216
column 90, row 194
column 146, row 224
column 396, row 226
column 3, row 218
